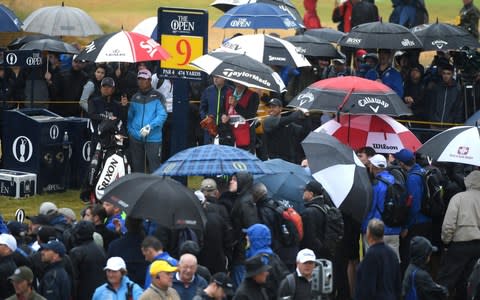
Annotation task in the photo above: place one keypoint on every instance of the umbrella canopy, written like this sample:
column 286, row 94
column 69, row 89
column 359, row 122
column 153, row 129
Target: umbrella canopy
column 20, row 41
column 379, row 35
column 123, row 46
column 256, row 16
column 312, row 46
column 9, row 22
column 50, row 45
column 148, row 27
column 474, row 119
column 267, row 49
column 162, row 199
column 442, row 36
column 210, row 160
column 341, row 173
column 351, row 94
column 457, row 144
column 327, row 34
column 380, row 132
column 241, row 69
column 286, row 183
column 61, row 21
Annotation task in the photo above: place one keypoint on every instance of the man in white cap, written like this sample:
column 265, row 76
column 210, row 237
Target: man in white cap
column 298, row 285
column 8, row 245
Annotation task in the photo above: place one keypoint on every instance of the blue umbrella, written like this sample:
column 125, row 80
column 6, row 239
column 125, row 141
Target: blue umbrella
column 474, row 120
column 256, row 16
column 287, row 182
column 210, row 160
column 9, row 22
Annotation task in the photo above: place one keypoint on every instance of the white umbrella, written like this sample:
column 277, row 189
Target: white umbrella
column 147, row 27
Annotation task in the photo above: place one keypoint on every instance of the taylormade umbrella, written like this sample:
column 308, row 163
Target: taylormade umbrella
column 380, row 132
column 442, row 36
column 341, row 173
column 240, row 68
column 457, row 144
column 312, row 46
column 267, row 49
column 9, row 22
column 50, row 45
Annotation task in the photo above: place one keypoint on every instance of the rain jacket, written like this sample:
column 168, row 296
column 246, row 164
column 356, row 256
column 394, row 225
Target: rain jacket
column 390, row 77
column 105, row 291
column 444, row 102
column 213, row 101
column 462, row 219
column 416, row 190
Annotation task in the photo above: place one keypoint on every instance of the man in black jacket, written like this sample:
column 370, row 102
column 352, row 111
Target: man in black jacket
column 253, row 286
column 56, row 284
column 8, row 245
column 298, row 285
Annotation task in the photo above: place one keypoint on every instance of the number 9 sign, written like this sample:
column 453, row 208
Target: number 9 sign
column 182, row 49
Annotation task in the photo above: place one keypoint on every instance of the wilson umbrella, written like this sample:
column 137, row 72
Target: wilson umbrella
column 267, row 49
column 351, row 94
column 123, row 46
column 50, row 45
column 327, row 34
column 209, row 160
column 380, row 132
column 379, row 35
column 9, row 22
column 457, row 144
column 240, row 68
column 148, row 27
column 162, row 199
column 311, row 46
column 341, row 173
column 442, row 36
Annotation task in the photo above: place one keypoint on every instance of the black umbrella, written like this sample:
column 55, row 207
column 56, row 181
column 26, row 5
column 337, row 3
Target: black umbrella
column 311, row 46
column 20, row 41
column 162, row 199
column 327, row 34
column 442, row 36
column 341, row 173
column 50, row 45
column 380, row 35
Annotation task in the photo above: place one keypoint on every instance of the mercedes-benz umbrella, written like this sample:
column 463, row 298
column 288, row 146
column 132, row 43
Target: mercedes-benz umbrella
column 240, row 68
column 311, row 46
column 341, row 173
column 443, row 36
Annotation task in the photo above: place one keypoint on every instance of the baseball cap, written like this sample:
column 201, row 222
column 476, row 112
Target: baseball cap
column 161, row 266
column 17, row 228
column 22, row 273
column 222, row 280
column 67, row 212
column 208, row 184
column 47, row 208
column 314, row 187
column 338, row 60
column 275, row 102
column 115, row 263
column 306, row 255
column 108, row 81
column 404, row 155
column 378, row 161
column 9, row 241
column 145, row 74
column 360, row 53
column 55, row 246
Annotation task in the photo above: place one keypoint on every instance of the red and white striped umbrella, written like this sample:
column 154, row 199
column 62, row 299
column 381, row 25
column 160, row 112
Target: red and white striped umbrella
column 380, row 132
column 123, row 46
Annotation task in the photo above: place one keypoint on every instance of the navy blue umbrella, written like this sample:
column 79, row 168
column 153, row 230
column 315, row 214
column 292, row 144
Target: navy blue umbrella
column 256, row 16
column 9, row 22
column 210, row 160
column 287, row 182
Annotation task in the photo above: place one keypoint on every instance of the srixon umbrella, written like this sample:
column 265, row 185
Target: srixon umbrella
column 381, row 132
column 162, row 199
column 353, row 95
column 457, row 144
column 443, row 36
column 341, row 173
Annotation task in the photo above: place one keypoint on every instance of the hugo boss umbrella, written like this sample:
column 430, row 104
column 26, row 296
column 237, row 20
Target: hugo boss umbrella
column 313, row 46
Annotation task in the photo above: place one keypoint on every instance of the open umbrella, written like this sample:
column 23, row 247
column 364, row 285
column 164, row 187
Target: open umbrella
column 328, row 34
column 148, row 27
column 312, row 46
column 240, row 68
column 286, row 183
column 380, row 35
column 9, row 22
column 123, row 46
column 50, row 45
column 457, row 144
column 267, row 49
column 257, row 16
column 380, row 132
column 341, row 173
column 473, row 120
column 210, row 160
column 61, row 21
column 443, row 36
column 351, row 94
column 161, row 199
column 20, row 41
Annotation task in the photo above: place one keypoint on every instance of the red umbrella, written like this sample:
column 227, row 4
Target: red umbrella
column 380, row 132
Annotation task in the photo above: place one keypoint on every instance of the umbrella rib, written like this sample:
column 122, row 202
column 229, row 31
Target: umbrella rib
column 132, row 47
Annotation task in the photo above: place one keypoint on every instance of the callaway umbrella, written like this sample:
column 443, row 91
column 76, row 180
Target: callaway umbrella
column 351, row 94
column 148, row 27
column 380, row 35
column 457, row 144
column 50, row 45
column 443, row 36
column 123, row 46
column 341, row 173
column 9, row 22
column 257, row 16
column 380, row 132
column 210, row 160
column 267, row 49
column 61, row 21
column 311, row 46
column 20, row 41
column 161, row 199
column 327, row 34
column 286, row 183
column 240, row 68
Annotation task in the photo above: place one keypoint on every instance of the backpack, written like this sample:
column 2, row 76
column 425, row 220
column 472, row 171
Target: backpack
column 187, row 234
column 333, row 226
column 473, row 284
column 396, row 204
column 291, row 225
column 412, row 292
column 433, row 203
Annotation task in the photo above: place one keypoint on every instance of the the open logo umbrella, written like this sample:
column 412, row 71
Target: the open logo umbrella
column 353, row 95
column 442, row 36
column 9, row 22
column 341, row 173
column 380, row 132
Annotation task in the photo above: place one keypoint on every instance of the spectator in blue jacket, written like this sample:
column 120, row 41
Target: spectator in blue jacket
column 385, row 73
column 152, row 249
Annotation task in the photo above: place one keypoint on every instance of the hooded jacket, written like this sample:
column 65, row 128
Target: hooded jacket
column 462, row 219
column 445, row 103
